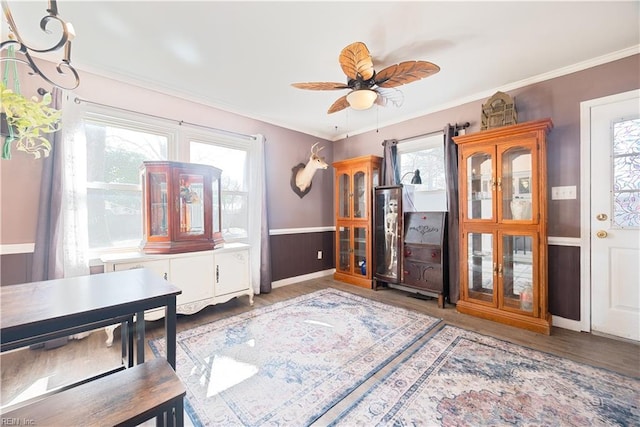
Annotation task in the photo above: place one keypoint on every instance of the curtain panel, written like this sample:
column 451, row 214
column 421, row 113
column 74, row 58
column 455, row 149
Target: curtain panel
column 258, row 220
column 453, row 215
column 47, row 254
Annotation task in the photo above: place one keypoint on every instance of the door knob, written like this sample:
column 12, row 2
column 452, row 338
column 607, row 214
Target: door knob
column 601, row 217
column 601, row 234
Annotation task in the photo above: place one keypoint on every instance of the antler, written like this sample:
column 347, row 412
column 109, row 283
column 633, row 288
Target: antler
column 315, row 150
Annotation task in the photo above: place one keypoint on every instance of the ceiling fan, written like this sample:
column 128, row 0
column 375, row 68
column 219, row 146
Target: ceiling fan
column 368, row 86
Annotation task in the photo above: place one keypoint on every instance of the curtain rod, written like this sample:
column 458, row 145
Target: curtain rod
column 434, row 132
column 180, row 122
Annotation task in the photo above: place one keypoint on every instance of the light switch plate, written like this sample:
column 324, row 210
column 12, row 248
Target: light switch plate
column 567, row 192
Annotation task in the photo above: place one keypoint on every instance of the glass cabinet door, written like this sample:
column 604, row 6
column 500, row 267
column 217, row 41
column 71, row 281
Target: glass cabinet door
column 344, row 250
column 481, row 267
column 158, row 197
column 216, row 208
column 515, row 184
column 359, row 194
column 480, row 186
column 352, row 257
column 360, row 250
column 516, row 271
column 191, row 205
column 344, row 191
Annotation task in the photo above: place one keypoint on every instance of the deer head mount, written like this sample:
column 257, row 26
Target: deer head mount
column 301, row 174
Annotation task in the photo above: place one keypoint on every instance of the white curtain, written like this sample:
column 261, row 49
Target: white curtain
column 258, row 223
column 75, row 242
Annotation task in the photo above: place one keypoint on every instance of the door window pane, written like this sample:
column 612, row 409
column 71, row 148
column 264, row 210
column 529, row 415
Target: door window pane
column 626, row 174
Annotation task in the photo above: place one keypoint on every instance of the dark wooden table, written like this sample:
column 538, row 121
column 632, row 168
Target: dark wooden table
column 40, row 311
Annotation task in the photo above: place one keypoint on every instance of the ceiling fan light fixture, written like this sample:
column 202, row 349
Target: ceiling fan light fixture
column 361, row 99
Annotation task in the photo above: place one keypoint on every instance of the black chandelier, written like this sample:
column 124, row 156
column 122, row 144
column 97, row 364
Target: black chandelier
column 15, row 43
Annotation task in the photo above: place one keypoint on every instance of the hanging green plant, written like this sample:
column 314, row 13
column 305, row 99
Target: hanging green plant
column 28, row 120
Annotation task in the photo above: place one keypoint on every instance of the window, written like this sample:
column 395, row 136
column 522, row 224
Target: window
column 427, row 156
column 115, row 150
column 235, row 183
column 117, row 145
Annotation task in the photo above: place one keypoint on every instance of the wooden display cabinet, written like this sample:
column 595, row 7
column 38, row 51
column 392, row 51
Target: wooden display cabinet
column 181, row 207
column 503, row 225
column 355, row 180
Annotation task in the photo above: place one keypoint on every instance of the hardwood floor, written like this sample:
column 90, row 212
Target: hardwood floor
column 27, row 370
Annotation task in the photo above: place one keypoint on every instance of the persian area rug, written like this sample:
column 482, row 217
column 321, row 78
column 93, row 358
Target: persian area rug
column 290, row 362
column 461, row 378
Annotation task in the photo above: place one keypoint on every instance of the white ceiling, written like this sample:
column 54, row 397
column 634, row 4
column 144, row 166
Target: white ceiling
column 243, row 56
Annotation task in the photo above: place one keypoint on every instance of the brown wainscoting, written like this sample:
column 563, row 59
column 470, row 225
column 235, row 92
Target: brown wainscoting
column 15, row 268
column 564, row 281
column 297, row 254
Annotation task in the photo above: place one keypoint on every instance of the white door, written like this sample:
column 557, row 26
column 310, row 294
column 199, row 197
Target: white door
column 615, row 216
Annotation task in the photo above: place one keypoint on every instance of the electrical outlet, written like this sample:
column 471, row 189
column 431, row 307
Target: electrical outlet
column 319, row 254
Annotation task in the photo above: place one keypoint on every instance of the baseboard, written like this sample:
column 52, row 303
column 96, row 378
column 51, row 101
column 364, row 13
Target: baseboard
column 296, row 279
column 572, row 325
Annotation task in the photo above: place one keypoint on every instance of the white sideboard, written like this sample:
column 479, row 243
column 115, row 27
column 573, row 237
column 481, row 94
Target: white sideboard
column 205, row 278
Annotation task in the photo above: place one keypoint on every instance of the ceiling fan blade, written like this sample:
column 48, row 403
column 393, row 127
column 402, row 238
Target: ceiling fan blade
column 320, row 86
column 388, row 96
column 355, row 60
column 405, row 72
column 340, row 104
